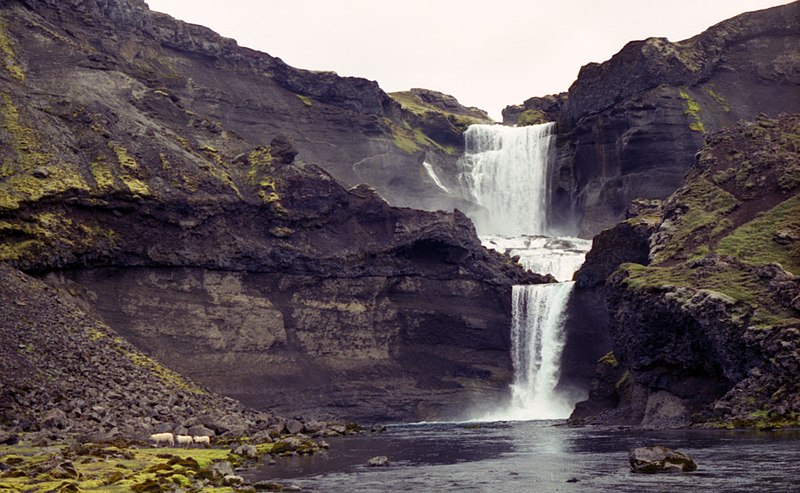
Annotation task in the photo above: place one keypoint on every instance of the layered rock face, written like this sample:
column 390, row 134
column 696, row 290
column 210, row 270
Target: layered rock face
column 145, row 170
column 66, row 372
column 708, row 332
column 629, row 126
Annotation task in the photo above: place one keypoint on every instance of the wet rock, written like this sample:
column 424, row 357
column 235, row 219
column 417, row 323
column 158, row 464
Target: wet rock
column 297, row 443
column 269, row 486
column 660, row 459
column 246, row 450
column 378, row 461
column 232, row 480
column 220, row 469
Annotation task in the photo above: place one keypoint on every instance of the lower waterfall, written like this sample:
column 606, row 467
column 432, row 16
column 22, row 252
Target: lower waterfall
column 536, row 344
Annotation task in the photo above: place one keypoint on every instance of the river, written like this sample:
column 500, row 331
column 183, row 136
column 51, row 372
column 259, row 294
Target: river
column 540, row 456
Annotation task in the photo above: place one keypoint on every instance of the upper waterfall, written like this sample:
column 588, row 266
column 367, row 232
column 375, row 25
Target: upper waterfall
column 506, row 171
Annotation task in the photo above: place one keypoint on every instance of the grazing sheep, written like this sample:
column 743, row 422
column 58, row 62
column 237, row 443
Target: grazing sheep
column 206, row 441
column 184, row 440
column 163, row 437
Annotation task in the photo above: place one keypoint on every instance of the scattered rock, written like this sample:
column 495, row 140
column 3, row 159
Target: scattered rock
column 41, row 173
column 246, row 450
column 220, row 469
column 378, row 461
column 294, row 426
column 298, row 443
column 660, row 459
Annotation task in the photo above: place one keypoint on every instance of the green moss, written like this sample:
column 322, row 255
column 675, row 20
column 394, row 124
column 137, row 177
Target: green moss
column 760, row 241
column 609, row 359
column 531, row 117
column 738, row 284
column 130, row 172
column 166, row 375
column 719, row 99
column 9, row 54
column 103, row 174
column 705, row 206
column 692, row 109
column 405, row 144
column 305, row 99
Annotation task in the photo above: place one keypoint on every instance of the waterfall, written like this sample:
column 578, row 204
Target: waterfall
column 432, row 175
column 537, row 343
column 506, row 171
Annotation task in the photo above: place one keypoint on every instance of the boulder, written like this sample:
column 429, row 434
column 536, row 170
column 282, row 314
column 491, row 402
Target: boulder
column 221, row 469
column 378, row 461
column 660, row 459
column 294, row 426
column 297, row 443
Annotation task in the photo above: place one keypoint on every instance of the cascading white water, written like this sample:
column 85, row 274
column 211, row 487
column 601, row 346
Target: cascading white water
column 536, row 344
column 432, row 174
column 505, row 170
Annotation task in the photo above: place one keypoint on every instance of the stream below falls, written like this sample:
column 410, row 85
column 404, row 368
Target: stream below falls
column 540, row 456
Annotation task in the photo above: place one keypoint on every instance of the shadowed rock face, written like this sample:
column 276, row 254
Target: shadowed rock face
column 629, row 127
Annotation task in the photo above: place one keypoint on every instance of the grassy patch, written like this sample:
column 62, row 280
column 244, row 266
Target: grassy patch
column 774, row 236
column 704, row 206
column 739, row 283
column 9, row 54
column 719, row 98
column 108, row 468
column 531, row 117
column 609, row 359
column 692, row 109
column 305, row 99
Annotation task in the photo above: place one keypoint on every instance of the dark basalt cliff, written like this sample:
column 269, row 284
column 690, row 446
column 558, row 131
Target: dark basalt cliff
column 629, row 126
column 145, row 170
column 348, row 125
column 709, row 332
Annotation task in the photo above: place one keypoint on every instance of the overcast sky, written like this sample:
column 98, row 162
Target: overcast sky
column 487, row 53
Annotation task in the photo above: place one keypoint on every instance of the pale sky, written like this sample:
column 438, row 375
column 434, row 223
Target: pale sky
column 486, row 53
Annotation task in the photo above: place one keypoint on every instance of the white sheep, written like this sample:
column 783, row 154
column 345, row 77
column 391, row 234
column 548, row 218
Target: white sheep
column 184, row 440
column 202, row 439
column 163, row 437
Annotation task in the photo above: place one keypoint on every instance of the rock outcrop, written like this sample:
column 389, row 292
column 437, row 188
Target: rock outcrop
column 629, row 127
column 707, row 333
column 161, row 174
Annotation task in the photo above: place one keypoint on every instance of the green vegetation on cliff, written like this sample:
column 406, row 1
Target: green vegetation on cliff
column 725, row 261
column 429, row 126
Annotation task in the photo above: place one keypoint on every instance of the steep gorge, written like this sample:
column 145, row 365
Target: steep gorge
column 162, row 175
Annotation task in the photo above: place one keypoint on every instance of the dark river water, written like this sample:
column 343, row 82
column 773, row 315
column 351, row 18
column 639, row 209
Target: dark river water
column 538, row 456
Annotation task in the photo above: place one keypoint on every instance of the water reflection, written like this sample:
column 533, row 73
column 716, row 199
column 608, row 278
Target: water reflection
column 537, row 456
